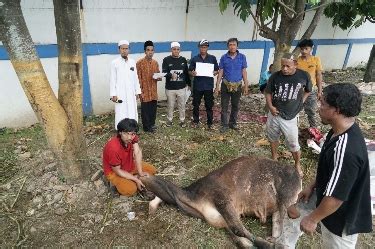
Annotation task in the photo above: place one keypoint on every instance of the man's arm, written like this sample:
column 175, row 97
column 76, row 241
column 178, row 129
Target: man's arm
column 244, row 77
column 192, row 68
column 305, row 95
column 319, row 83
column 272, row 109
column 137, row 86
column 328, row 206
column 218, row 81
column 112, row 83
column 187, row 76
column 137, row 152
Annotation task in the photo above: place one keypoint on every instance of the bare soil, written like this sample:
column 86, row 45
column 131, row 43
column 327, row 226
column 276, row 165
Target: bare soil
column 38, row 208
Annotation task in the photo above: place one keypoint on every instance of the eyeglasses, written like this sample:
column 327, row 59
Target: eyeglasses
column 130, row 133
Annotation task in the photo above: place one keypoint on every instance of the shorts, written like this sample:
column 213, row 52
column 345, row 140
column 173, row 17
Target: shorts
column 332, row 241
column 277, row 126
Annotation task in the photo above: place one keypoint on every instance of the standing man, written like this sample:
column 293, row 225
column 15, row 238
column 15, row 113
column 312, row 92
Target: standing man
column 124, row 84
column 286, row 91
column 122, row 159
column 343, row 177
column 233, row 79
column 146, row 67
column 203, row 86
column 177, row 77
column 312, row 65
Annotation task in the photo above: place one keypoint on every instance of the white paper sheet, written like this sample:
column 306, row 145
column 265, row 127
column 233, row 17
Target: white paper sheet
column 204, row 69
column 158, row 75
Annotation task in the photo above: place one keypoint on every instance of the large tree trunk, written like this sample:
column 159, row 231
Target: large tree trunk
column 68, row 32
column 17, row 41
column 288, row 30
column 289, row 27
column 370, row 69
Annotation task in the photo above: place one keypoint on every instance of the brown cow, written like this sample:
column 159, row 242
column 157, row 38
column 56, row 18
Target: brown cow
column 246, row 186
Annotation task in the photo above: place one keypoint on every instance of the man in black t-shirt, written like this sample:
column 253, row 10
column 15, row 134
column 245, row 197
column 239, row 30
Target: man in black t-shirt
column 343, row 177
column 286, row 91
column 177, row 78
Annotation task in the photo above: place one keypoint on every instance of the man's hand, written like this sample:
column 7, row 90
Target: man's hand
column 305, row 194
column 114, row 99
column 308, row 225
column 319, row 94
column 143, row 174
column 217, row 91
column 193, row 73
column 140, row 185
column 245, row 90
column 274, row 111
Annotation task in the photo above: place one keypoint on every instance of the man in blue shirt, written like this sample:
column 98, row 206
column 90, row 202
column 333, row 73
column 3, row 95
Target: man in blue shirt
column 203, row 86
column 264, row 78
column 233, row 77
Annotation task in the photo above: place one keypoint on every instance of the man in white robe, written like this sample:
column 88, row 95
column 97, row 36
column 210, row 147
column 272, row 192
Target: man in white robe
column 124, row 84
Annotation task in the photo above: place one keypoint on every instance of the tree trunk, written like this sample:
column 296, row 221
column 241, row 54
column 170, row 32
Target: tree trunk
column 370, row 68
column 68, row 32
column 289, row 27
column 17, row 41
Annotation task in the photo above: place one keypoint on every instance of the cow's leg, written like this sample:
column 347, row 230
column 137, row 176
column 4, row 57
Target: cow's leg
column 238, row 232
column 276, row 224
column 240, row 242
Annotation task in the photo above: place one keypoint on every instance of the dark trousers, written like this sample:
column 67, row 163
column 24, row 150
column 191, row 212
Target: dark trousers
column 208, row 103
column 234, row 98
column 148, row 114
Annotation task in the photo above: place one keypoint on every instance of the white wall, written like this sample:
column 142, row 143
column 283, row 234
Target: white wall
column 15, row 109
column 359, row 55
column 332, row 56
column 107, row 21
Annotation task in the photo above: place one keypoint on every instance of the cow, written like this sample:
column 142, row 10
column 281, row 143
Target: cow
column 246, row 186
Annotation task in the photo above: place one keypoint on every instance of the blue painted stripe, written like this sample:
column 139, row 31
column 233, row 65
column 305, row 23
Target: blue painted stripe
column 315, row 48
column 86, row 98
column 266, row 56
column 347, row 55
column 51, row 51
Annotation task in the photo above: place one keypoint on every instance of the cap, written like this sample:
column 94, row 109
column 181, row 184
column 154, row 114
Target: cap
column 175, row 44
column 203, row 42
column 123, row 42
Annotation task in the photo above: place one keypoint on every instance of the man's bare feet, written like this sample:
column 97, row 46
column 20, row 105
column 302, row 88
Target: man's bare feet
column 275, row 158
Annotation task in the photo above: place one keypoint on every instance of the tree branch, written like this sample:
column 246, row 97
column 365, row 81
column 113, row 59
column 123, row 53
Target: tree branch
column 286, row 7
column 322, row 4
column 314, row 22
column 276, row 16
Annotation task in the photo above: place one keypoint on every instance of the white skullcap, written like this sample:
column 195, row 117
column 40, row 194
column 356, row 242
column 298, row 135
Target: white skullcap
column 123, row 42
column 175, row 44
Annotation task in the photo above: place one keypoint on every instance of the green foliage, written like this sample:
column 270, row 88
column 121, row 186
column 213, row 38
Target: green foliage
column 265, row 8
column 351, row 13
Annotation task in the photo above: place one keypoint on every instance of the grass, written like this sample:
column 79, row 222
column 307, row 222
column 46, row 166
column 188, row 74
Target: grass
column 191, row 153
column 13, row 142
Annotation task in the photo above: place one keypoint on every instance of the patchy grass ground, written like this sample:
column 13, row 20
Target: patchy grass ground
column 39, row 210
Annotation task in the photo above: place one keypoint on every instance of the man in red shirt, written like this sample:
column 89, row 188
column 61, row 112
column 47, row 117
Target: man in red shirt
column 122, row 159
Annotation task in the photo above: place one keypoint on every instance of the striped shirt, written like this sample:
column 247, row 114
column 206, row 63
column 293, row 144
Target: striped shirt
column 343, row 173
column 146, row 69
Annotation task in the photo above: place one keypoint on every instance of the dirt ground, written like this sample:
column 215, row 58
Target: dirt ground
column 38, row 209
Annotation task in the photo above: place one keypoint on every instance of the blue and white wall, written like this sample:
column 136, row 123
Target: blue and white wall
column 104, row 22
